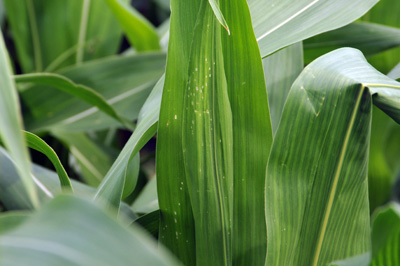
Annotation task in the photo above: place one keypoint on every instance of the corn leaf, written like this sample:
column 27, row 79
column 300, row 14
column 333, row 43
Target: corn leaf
column 207, row 141
column 176, row 218
column 384, row 158
column 370, row 38
column 385, row 12
column 124, row 81
column 13, row 194
column 194, row 79
column 359, row 260
column 326, row 123
column 280, row 70
column 94, row 162
column 252, row 133
column 149, row 221
column 116, row 184
column 82, row 92
column 141, row 34
column 11, row 125
column 386, row 236
column 38, row 144
column 279, row 23
column 147, row 200
column 43, row 243
column 218, row 14
column 43, row 38
column 395, row 72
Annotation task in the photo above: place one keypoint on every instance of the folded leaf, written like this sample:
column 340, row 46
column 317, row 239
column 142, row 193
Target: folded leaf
column 124, row 81
column 115, row 182
column 79, row 91
column 38, row 144
column 316, row 183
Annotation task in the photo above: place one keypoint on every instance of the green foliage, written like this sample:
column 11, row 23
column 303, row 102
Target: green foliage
column 206, row 135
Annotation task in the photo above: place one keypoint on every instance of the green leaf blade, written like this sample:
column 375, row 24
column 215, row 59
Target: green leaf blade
column 252, row 133
column 38, row 144
column 82, row 92
column 43, row 243
column 278, row 23
column 207, row 142
column 140, row 32
column 11, row 125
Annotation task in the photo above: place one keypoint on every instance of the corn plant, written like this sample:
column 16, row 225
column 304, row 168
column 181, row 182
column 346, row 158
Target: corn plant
column 276, row 139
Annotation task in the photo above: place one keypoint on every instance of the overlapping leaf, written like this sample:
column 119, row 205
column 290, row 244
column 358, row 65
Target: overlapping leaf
column 43, row 243
column 281, row 69
column 279, row 23
column 316, row 186
column 124, row 81
column 117, row 183
column 370, row 38
column 385, row 12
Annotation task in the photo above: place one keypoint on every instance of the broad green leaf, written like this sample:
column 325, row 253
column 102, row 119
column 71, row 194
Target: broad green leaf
column 207, row 141
column 279, row 23
column 252, row 133
column 11, row 220
column 368, row 37
column 395, row 72
column 316, row 183
column 84, row 93
column 172, row 174
column 42, row 35
column 38, row 144
column 11, row 125
column 141, row 34
column 386, row 13
column 176, row 218
column 93, row 161
column 385, row 240
column 125, row 81
column 114, row 183
column 93, row 238
column 386, row 236
column 280, row 70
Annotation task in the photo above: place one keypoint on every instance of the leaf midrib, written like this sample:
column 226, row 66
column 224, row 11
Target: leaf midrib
column 336, row 178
